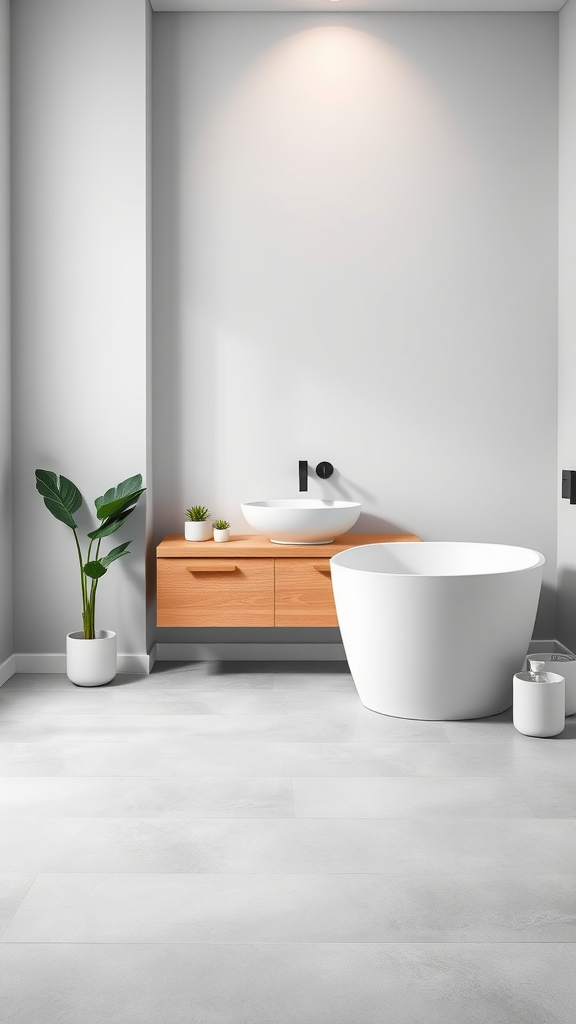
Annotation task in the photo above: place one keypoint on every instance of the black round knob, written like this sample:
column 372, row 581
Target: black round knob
column 324, row 470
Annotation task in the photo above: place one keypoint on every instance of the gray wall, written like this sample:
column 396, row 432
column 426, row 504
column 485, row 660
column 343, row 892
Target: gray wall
column 332, row 281
column 355, row 231
column 79, row 299
column 6, row 644
column 567, row 323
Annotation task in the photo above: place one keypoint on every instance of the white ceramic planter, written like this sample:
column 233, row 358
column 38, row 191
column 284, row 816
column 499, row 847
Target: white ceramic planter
column 91, row 662
column 221, row 535
column 538, row 708
column 198, row 531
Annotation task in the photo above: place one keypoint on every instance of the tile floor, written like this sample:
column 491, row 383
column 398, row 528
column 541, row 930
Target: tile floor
column 247, row 844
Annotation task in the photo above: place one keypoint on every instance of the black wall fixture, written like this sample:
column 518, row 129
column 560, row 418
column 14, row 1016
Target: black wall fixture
column 324, row 470
column 569, row 485
column 303, row 475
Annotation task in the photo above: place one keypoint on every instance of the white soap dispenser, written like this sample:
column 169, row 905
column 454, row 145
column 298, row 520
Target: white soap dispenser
column 539, row 701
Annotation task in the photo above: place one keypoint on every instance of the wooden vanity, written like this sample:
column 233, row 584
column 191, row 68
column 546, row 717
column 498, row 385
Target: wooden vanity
column 249, row 581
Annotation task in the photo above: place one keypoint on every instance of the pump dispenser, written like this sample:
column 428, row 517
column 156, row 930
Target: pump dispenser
column 538, row 671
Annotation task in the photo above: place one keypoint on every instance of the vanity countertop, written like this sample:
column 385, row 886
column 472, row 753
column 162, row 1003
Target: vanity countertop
column 253, row 546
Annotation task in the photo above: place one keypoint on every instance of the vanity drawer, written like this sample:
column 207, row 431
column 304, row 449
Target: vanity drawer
column 215, row 592
column 303, row 593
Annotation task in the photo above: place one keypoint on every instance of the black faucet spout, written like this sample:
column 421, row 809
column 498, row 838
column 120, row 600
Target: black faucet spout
column 303, row 475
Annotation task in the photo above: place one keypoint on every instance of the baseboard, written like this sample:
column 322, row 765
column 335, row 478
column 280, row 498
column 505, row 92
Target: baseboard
column 7, row 669
column 249, row 652
column 40, row 662
column 152, row 657
column 143, row 663
column 135, row 664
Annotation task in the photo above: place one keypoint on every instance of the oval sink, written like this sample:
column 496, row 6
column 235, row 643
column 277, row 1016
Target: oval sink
column 301, row 520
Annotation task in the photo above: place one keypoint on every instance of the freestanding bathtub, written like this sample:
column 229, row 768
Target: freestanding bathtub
column 436, row 630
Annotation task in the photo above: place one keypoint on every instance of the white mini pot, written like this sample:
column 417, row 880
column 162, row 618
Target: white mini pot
column 91, row 662
column 198, row 531
column 221, row 535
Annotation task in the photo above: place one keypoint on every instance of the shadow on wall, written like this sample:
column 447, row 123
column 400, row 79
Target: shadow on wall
column 546, row 626
column 567, row 608
column 368, row 523
column 346, row 489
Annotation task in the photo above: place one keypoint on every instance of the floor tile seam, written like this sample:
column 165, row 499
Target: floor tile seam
column 167, row 817
column 111, row 778
column 35, row 876
column 159, row 777
column 361, row 743
column 231, row 774
column 66, row 716
column 422, row 818
column 484, row 820
column 410, row 875
column 293, row 942
column 524, row 774
column 221, row 735
column 180, row 691
column 417, row 874
column 84, row 740
column 504, row 779
column 254, row 741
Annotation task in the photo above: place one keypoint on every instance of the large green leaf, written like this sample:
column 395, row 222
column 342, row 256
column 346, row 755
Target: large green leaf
column 61, row 497
column 119, row 498
column 110, row 525
column 115, row 553
column 112, row 508
column 95, row 569
column 99, row 566
column 128, row 486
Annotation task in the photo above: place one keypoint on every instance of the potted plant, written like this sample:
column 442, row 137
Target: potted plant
column 221, row 530
column 91, row 653
column 197, row 525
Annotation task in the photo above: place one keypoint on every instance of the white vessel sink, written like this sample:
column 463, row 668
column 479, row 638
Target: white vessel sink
column 301, row 520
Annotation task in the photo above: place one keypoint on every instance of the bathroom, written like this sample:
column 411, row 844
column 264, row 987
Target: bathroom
column 240, row 239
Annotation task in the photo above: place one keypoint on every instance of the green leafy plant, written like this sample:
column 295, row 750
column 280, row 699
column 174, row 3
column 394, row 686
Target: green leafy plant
column 221, row 524
column 198, row 514
column 62, row 498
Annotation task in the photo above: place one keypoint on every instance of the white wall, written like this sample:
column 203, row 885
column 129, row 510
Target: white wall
column 355, row 231
column 79, row 299
column 6, row 643
column 567, row 323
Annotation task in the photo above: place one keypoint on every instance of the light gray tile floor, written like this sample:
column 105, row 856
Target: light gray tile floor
column 247, row 844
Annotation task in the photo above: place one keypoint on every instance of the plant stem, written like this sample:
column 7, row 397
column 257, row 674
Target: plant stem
column 91, row 609
column 85, row 622
column 90, row 624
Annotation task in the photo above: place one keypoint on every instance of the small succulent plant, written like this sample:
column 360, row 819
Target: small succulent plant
column 221, row 524
column 198, row 513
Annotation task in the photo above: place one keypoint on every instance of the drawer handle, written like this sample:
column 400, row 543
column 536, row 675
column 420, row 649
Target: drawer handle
column 325, row 569
column 211, row 568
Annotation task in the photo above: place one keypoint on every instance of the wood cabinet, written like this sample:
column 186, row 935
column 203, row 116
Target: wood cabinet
column 215, row 591
column 249, row 581
column 303, row 593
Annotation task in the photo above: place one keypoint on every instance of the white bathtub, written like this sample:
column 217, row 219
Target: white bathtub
column 436, row 630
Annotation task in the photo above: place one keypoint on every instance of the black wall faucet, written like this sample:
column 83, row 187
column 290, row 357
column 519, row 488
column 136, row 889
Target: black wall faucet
column 303, row 474
column 324, row 470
